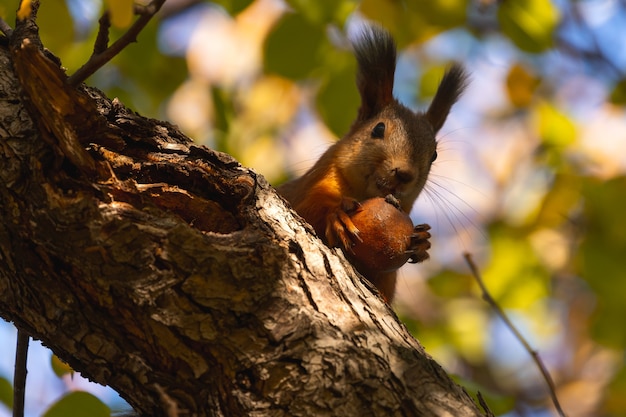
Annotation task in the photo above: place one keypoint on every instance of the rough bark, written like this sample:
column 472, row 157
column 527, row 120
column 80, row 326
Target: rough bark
column 178, row 277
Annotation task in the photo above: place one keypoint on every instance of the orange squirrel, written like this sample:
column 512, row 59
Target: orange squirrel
column 388, row 151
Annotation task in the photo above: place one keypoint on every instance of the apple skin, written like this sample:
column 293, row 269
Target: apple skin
column 385, row 232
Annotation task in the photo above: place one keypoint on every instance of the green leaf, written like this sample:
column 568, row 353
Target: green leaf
column 416, row 20
column 292, row 49
column 618, row 95
column 530, row 24
column 466, row 319
column 56, row 26
column 601, row 257
column 562, row 197
column 223, row 114
column 429, row 82
column 324, row 11
column 444, row 14
column 78, row 404
column 499, row 404
column 515, row 277
column 338, row 99
column 450, row 284
column 233, row 7
column 6, row 392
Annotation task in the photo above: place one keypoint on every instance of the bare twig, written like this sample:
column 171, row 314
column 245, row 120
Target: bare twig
column 483, row 404
column 98, row 59
column 140, row 9
column 533, row 353
column 102, row 39
column 19, row 376
column 5, row 28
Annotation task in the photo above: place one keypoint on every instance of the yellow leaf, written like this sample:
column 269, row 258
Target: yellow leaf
column 515, row 277
column 121, row 12
column 430, row 80
column 520, row 86
column 25, row 9
column 59, row 367
column 529, row 23
column 467, row 321
column 555, row 128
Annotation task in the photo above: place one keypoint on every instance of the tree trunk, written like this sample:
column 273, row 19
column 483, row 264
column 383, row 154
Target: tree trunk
column 178, row 277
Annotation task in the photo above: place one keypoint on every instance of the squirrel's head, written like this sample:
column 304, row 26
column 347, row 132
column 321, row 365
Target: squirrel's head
column 389, row 148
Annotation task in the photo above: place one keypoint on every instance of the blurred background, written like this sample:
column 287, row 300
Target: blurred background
column 529, row 180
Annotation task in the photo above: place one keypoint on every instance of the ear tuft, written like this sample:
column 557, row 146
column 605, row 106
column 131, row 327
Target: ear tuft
column 375, row 51
column 452, row 84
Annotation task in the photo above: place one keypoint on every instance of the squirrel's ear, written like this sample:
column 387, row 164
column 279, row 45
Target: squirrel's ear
column 375, row 52
column 450, row 89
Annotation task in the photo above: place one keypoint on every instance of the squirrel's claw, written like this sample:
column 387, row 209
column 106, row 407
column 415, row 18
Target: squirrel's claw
column 350, row 205
column 418, row 249
column 340, row 231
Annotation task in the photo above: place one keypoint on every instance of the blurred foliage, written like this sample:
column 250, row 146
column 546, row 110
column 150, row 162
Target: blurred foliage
column 273, row 83
column 529, row 24
column 6, row 392
column 142, row 75
column 417, row 20
column 59, row 367
column 337, row 98
column 521, row 85
column 618, row 95
column 323, row 12
column 234, row 6
column 78, row 404
column 601, row 258
column 429, row 81
column 616, row 401
column 121, row 12
column 56, row 25
column 295, row 47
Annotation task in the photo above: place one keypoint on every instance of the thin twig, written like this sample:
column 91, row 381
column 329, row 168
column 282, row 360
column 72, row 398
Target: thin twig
column 483, row 404
column 102, row 39
column 533, row 353
column 5, row 28
column 140, row 9
column 97, row 60
column 19, row 376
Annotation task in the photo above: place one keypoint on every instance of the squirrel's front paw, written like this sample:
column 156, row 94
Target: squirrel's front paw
column 340, row 231
column 420, row 244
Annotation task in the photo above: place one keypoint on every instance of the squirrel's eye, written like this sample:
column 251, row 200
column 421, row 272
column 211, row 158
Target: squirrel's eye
column 432, row 159
column 379, row 131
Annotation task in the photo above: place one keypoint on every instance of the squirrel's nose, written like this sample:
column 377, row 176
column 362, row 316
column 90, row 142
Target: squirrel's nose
column 402, row 175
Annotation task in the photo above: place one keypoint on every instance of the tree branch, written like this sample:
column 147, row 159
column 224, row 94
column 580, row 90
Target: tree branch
column 5, row 28
column 101, row 57
column 19, row 378
column 532, row 352
column 179, row 277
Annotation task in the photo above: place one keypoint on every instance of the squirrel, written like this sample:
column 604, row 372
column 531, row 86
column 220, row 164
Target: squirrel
column 387, row 152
